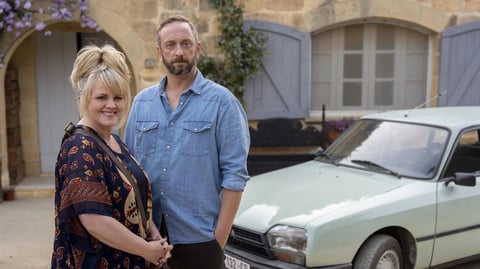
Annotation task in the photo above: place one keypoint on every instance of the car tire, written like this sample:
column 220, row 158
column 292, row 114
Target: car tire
column 380, row 251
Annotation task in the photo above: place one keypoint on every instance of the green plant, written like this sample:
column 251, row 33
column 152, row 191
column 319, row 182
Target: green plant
column 243, row 50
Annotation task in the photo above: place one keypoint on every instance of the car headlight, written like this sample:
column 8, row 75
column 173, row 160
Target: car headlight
column 288, row 243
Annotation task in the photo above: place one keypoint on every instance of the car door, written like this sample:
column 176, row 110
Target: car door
column 458, row 219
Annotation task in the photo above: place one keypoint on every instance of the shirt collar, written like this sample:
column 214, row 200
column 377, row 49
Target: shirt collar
column 195, row 87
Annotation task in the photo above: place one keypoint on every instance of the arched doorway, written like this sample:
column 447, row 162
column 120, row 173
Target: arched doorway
column 57, row 104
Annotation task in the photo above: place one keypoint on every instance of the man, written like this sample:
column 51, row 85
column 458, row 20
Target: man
column 191, row 136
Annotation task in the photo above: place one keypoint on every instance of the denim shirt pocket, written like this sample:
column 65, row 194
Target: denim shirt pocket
column 195, row 138
column 146, row 136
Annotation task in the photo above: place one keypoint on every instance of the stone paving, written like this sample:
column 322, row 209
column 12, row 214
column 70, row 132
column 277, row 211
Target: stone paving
column 26, row 227
column 26, row 233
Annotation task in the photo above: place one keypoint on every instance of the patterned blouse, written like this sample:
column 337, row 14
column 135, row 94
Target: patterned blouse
column 88, row 181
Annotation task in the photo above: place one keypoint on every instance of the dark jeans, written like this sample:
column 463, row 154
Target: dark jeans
column 206, row 255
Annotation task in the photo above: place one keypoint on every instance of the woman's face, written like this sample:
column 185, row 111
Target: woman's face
column 104, row 110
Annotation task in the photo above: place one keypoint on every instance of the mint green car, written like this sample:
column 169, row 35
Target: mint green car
column 397, row 190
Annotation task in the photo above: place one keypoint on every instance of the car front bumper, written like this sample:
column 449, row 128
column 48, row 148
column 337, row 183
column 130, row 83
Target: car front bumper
column 257, row 262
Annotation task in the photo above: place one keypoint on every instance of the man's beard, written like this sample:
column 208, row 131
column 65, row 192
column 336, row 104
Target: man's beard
column 182, row 70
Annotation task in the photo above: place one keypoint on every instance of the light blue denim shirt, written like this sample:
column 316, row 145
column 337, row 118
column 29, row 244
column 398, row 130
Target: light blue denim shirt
column 190, row 154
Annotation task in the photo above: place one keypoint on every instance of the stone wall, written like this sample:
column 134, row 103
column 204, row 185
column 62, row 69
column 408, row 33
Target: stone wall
column 12, row 100
column 132, row 24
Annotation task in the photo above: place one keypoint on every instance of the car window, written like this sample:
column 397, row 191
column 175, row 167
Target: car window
column 410, row 150
column 466, row 154
column 469, row 137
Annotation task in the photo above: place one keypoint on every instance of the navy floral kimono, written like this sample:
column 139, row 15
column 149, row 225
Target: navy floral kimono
column 87, row 181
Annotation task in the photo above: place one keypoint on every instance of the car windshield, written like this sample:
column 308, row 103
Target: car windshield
column 400, row 149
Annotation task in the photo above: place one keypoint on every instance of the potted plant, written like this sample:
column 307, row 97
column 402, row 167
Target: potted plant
column 9, row 194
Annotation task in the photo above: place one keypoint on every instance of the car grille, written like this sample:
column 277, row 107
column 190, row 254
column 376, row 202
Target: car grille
column 253, row 242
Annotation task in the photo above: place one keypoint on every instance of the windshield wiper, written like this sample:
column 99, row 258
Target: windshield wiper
column 370, row 163
column 327, row 156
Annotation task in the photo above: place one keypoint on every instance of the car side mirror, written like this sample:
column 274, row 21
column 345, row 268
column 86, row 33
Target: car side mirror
column 462, row 179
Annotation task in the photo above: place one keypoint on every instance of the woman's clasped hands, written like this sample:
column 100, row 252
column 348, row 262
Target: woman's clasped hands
column 158, row 251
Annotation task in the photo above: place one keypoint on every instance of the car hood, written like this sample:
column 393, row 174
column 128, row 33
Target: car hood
column 302, row 193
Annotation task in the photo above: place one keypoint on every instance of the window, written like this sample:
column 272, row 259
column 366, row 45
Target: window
column 466, row 156
column 369, row 67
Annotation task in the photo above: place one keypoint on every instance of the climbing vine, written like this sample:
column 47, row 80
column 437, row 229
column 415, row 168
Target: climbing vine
column 243, row 50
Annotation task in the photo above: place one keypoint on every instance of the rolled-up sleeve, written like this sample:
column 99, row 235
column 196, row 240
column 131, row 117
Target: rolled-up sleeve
column 233, row 145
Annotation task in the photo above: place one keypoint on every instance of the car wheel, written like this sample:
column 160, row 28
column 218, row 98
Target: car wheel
column 379, row 252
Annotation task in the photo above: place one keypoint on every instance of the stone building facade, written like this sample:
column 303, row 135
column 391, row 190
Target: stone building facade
column 132, row 24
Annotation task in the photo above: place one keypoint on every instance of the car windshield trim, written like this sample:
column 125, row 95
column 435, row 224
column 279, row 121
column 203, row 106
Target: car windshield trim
column 324, row 155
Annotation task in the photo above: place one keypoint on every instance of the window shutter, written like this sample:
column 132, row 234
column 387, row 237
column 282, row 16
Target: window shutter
column 282, row 86
column 460, row 66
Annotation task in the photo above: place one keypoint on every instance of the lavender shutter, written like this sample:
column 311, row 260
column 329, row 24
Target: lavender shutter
column 282, row 86
column 460, row 65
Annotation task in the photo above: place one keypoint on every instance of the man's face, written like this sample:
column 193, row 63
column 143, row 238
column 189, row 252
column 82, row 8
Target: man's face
column 178, row 50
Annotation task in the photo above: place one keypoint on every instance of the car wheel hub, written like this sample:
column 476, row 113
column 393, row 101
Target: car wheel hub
column 389, row 260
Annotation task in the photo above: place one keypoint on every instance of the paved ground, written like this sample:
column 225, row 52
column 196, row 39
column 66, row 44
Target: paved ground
column 26, row 236
column 26, row 227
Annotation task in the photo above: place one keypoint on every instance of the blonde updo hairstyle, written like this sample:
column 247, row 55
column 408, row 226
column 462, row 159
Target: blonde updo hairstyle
column 100, row 64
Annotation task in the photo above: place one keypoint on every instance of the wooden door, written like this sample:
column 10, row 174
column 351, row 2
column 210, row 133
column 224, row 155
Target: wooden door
column 57, row 104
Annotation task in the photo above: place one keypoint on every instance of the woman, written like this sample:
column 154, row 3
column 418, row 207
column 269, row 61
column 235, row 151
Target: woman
column 97, row 221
